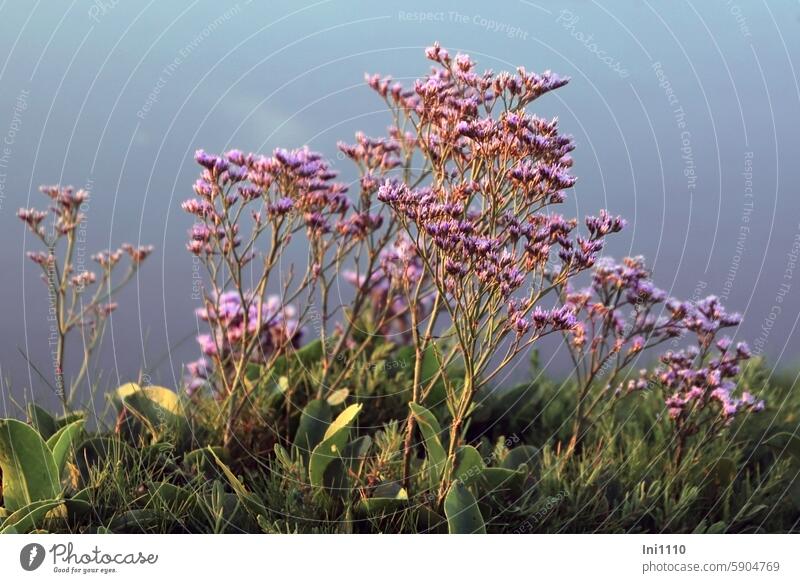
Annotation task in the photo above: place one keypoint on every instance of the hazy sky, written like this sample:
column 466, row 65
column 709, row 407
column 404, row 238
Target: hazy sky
column 686, row 118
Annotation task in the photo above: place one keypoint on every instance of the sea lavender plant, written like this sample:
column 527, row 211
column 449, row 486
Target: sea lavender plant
column 281, row 195
column 621, row 316
column 81, row 299
column 481, row 224
column 699, row 381
column 386, row 273
column 470, row 265
column 618, row 318
column 277, row 198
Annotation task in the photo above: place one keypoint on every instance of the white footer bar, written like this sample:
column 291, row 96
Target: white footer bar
column 400, row 558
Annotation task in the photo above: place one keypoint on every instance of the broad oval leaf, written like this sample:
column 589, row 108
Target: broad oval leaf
column 123, row 391
column 314, row 421
column 429, row 426
column 62, row 442
column 386, row 499
column 29, row 470
column 469, row 465
column 462, row 512
column 160, row 409
column 29, row 517
column 332, row 444
column 522, row 454
column 41, row 420
column 497, row 479
column 338, row 397
column 337, row 474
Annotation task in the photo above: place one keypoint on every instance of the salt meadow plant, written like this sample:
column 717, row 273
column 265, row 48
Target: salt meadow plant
column 384, row 412
column 81, row 300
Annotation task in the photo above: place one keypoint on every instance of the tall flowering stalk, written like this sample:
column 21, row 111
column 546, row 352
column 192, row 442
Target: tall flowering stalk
column 274, row 198
column 481, row 223
column 80, row 298
column 621, row 316
column 403, row 300
column 387, row 274
column 700, row 381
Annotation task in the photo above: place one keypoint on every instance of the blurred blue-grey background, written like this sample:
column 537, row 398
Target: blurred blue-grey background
column 686, row 116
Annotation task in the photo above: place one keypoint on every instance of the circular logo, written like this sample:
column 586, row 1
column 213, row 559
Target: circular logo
column 31, row 556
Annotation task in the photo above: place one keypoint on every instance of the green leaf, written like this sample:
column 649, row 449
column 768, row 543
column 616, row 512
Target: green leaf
column 462, row 512
column 386, row 499
column 41, row 420
column 497, row 479
column 29, row 517
column 79, row 506
column 429, row 521
column 29, row 470
column 160, row 409
column 330, row 448
column 306, row 357
column 123, row 391
column 62, row 442
column 69, row 418
column 717, row 528
column 522, row 454
column 430, row 364
column 309, row 354
column 429, row 426
column 283, row 384
column 250, row 501
column 337, row 474
column 469, row 465
column 314, row 421
column 201, row 460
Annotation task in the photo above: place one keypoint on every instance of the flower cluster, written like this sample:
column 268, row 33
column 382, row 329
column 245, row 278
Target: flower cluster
column 618, row 314
column 273, row 323
column 391, row 288
column 231, row 322
column 540, row 321
column 702, row 376
column 276, row 196
column 65, row 208
column 494, row 172
column 374, row 157
column 298, row 182
column 697, row 387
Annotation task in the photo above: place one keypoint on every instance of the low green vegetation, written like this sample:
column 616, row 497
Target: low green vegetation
column 336, row 466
